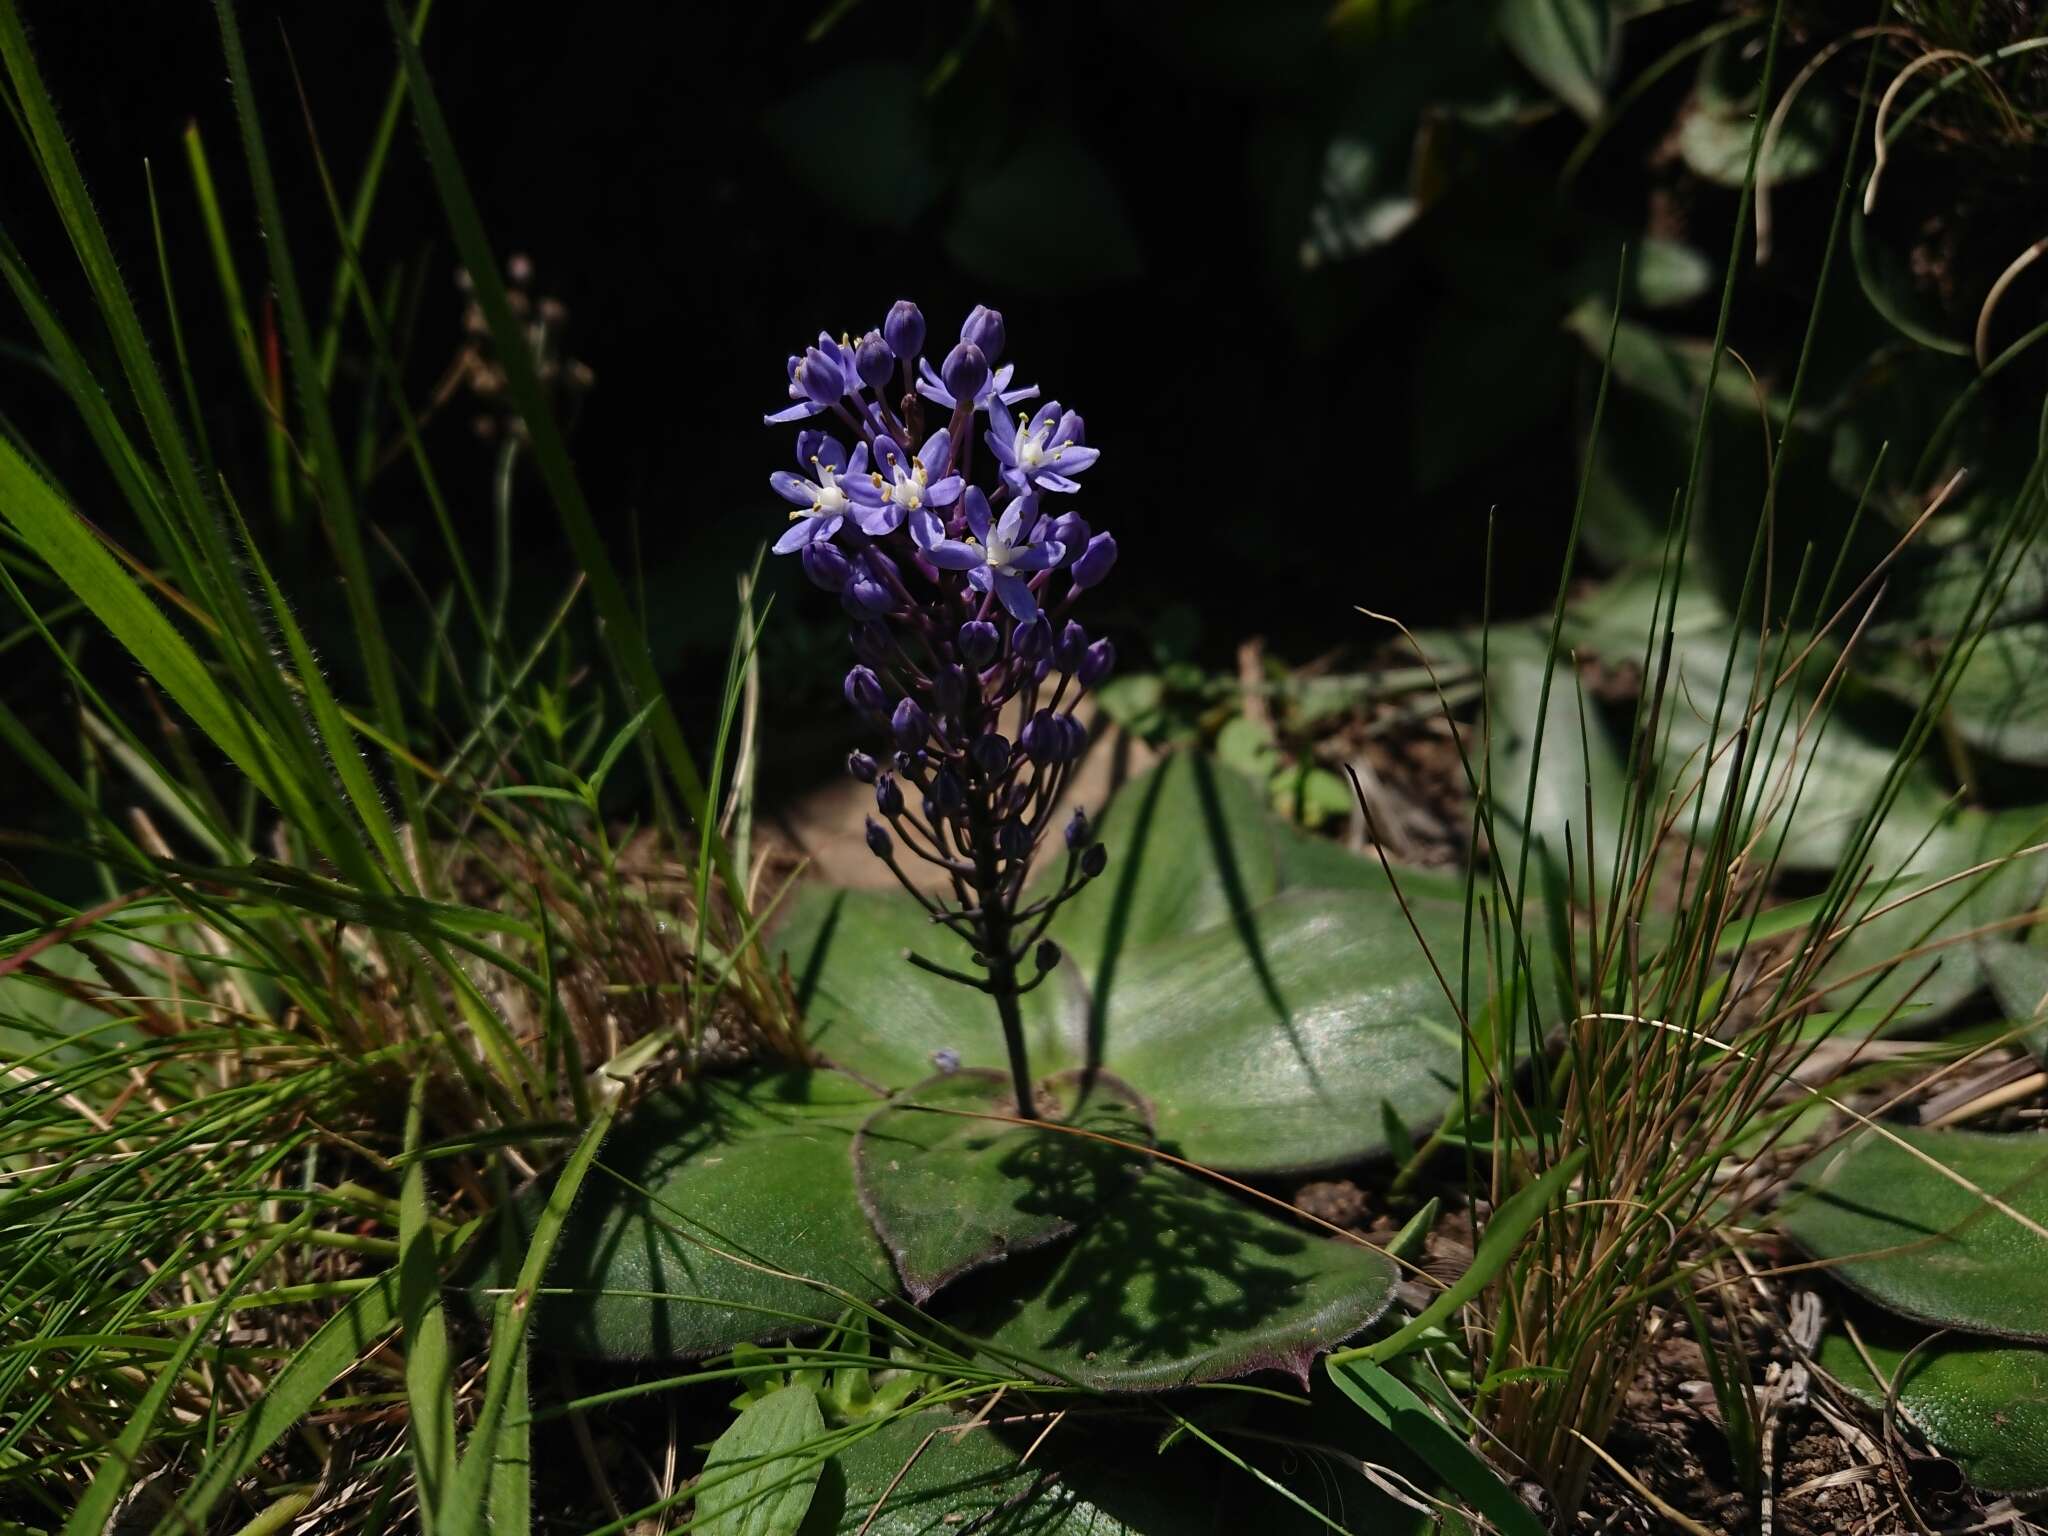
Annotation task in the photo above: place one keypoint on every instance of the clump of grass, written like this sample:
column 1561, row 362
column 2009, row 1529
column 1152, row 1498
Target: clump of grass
column 1670, row 1020
column 360, row 965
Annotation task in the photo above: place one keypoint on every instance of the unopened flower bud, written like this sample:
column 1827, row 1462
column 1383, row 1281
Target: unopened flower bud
column 1069, row 530
column 984, row 328
column 946, row 795
column 1077, row 828
column 864, row 691
column 874, row 362
column 1096, row 664
column 904, row 329
column 1074, row 737
column 1048, row 955
column 909, row 725
column 819, row 377
column 866, row 595
column 949, row 689
column 1040, row 738
column 907, row 763
column 1073, row 645
column 826, row 565
column 964, row 373
column 1094, row 562
column 889, row 796
column 1032, row 640
column 1095, row 860
column 1013, row 840
column 878, row 839
column 990, row 753
column 979, row 642
column 862, row 767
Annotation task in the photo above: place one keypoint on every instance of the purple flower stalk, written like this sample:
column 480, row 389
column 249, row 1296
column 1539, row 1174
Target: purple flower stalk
column 970, row 664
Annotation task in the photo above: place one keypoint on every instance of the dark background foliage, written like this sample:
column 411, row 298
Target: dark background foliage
column 1305, row 270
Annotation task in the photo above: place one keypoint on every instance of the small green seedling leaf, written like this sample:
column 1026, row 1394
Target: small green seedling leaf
column 762, row 1474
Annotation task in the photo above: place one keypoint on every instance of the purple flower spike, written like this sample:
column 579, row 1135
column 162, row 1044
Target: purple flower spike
column 959, row 622
column 1094, row 562
column 984, row 327
column 864, row 691
column 904, row 329
column 965, row 371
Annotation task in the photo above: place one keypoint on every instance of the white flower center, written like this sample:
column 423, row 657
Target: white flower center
column 908, row 490
column 1031, row 444
column 827, row 499
column 999, row 552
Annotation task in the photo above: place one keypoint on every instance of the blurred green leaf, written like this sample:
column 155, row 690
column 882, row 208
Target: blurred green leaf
column 859, row 137
column 1049, row 220
column 1566, row 44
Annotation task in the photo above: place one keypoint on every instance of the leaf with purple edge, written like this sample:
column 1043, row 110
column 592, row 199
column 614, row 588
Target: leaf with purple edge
column 1178, row 1281
column 950, row 1190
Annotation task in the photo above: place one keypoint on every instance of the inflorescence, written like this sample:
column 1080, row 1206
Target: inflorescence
column 960, row 598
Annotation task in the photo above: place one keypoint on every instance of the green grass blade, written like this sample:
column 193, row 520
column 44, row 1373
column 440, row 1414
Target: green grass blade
column 623, row 633
column 429, row 1366
column 110, row 1482
column 1498, row 1245
column 323, row 447
column 340, row 1342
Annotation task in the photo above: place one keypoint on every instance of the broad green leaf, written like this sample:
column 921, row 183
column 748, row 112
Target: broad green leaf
column 1925, row 1245
column 1091, row 1476
column 1408, row 1418
column 749, row 1195
column 1717, row 147
column 1984, row 1404
column 2018, row 974
column 2000, row 702
column 1178, row 1281
column 949, row 1192
column 1566, row 44
column 1934, row 983
column 761, row 1473
column 1262, row 989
